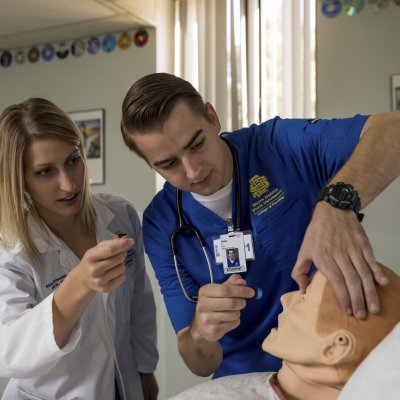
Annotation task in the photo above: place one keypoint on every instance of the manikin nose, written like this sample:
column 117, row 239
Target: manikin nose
column 287, row 298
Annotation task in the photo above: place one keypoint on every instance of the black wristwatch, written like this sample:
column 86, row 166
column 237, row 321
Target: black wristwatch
column 343, row 196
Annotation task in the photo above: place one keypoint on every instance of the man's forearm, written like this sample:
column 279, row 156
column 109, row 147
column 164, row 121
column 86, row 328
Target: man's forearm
column 202, row 357
column 375, row 162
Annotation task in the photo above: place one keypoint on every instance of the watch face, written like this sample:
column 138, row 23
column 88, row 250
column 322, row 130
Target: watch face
column 342, row 196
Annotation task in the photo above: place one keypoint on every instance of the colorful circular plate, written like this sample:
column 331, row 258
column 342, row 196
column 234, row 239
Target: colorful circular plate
column 93, row 45
column 124, row 41
column 353, row 7
column 141, row 37
column 33, row 54
column 48, row 52
column 108, row 43
column 331, row 8
column 19, row 57
column 6, row 59
column 78, row 48
column 62, row 50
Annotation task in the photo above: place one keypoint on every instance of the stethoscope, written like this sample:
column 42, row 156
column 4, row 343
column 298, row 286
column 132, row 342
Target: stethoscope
column 183, row 226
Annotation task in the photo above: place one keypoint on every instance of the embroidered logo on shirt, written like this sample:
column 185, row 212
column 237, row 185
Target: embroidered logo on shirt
column 258, row 185
column 267, row 197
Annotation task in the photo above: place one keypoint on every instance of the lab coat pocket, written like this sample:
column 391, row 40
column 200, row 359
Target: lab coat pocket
column 22, row 395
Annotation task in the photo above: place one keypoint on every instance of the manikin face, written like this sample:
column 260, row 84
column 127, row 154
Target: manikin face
column 320, row 344
column 297, row 338
column 188, row 152
column 54, row 177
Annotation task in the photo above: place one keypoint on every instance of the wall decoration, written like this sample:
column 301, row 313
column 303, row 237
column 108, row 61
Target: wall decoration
column 62, row 50
column 395, row 81
column 20, row 57
column 78, row 47
column 93, row 45
column 141, row 37
column 48, row 52
column 124, row 41
column 33, row 54
column 353, row 7
column 378, row 5
column 332, row 8
column 109, row 43
column 91, row 124
column 6, row 59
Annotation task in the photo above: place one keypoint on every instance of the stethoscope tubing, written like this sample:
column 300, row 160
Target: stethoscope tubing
column 182, row 226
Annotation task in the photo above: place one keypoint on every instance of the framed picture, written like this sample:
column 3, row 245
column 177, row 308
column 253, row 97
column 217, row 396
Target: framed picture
column 395, row 92
column 91, row 124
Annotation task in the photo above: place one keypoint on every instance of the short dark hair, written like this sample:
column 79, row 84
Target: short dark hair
column 150, row 101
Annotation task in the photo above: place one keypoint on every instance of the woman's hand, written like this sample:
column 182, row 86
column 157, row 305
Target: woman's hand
column 102, row 267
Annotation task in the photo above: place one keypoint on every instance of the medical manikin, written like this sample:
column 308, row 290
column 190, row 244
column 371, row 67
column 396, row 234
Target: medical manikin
column 319, row 344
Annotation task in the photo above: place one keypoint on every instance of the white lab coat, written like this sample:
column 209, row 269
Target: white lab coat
column 116, row 335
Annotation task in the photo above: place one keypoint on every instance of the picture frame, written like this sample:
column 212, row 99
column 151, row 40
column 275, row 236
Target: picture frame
column 91, row 124
column 395, row 88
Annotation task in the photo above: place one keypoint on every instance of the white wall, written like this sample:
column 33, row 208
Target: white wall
column 355, row 58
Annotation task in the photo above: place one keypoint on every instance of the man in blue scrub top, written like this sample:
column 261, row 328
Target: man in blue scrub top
column 297, row 185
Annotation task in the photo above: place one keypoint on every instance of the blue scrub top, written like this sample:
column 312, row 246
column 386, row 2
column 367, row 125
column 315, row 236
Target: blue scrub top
column 283, row 165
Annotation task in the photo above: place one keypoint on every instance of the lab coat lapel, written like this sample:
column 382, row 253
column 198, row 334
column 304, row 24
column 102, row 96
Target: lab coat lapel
column 45, row 241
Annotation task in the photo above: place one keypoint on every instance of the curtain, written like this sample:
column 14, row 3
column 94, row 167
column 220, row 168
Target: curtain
column 251, row 59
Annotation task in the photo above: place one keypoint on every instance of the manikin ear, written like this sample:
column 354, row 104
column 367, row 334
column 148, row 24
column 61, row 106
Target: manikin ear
column 338, row 347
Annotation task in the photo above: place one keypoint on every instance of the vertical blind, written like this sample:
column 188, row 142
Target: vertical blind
column 252, row 59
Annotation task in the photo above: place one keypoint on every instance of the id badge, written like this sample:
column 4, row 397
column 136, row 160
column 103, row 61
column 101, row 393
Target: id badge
column 248, row 247
column 233, row 253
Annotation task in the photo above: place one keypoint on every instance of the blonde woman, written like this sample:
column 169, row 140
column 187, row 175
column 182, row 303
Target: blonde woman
column 77, row 314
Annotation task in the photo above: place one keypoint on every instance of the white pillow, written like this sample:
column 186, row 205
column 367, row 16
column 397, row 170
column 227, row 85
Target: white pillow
column 378, row 376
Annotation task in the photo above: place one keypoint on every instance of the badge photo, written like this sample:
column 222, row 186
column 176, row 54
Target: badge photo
column 233, row 253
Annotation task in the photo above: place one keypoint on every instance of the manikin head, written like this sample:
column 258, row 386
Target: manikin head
column 321, row 345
